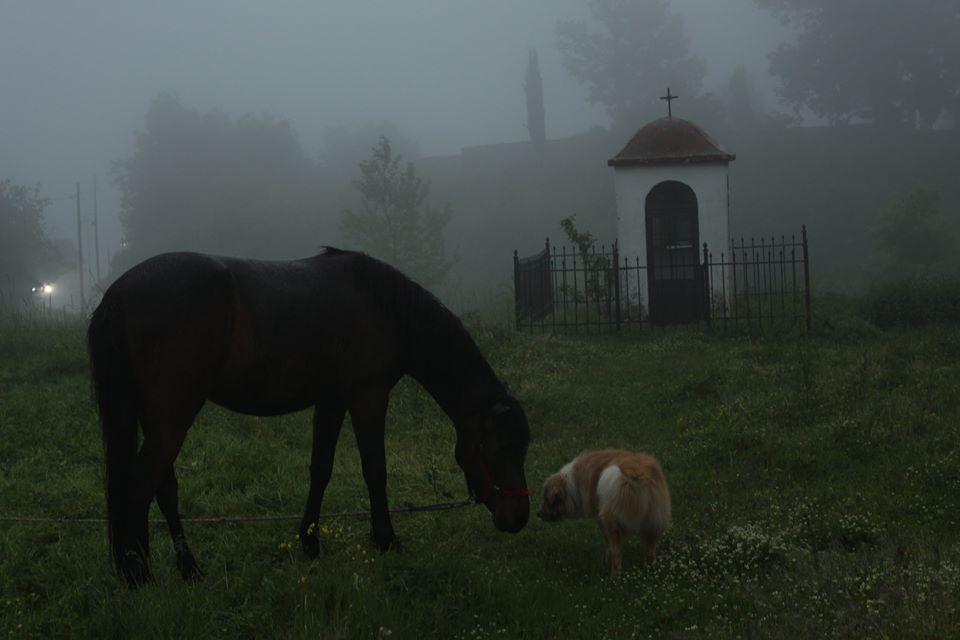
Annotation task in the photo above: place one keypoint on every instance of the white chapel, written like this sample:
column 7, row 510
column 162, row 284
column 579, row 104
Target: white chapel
column 672, row 187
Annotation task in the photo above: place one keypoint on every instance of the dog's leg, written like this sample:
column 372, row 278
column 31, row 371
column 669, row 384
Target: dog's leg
column 614, row 539
column 650, row 542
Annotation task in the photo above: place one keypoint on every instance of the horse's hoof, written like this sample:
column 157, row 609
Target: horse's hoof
column 310, row 543
column 189, row 570
column 136, row 573
column 389, row 544
column 192, row 574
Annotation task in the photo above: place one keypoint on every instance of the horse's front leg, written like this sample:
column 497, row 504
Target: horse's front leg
column 327, row 420
column 368, row 411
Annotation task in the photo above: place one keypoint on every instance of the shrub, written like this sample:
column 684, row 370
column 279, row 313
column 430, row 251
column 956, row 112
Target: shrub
column 914, row 302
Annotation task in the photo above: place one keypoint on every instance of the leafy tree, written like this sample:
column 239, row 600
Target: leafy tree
column 395, row 223
column 883, row 62
column 639, row 51
column 27, row 256
column 741, row 100
column 744, row 109
column 912, row 236
column 344, row 148
column 536, row 116
column 206, row 182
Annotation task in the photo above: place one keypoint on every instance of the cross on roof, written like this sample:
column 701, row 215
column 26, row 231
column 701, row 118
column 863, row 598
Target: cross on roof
column 670, row 98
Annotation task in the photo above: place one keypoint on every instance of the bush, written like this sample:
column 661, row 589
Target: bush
column 914, row 302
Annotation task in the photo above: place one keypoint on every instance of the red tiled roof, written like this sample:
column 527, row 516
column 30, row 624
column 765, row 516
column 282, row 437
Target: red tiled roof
column 670, row 141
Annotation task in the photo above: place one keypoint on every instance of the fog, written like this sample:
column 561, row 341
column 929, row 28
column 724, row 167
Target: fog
column 76, row 79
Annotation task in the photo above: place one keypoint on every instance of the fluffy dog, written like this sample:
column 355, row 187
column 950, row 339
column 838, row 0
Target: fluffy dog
column 626, row 492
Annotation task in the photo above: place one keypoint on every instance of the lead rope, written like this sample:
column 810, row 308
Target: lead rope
column 407, row 508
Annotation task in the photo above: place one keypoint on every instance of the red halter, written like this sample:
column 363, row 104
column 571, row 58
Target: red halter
column 490, row 488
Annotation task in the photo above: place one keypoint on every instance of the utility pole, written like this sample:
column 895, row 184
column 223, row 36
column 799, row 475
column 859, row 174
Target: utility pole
column 96, row 228
column 83, row 301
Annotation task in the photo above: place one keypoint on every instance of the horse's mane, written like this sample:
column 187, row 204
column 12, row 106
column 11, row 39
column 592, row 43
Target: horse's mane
column 434, row 336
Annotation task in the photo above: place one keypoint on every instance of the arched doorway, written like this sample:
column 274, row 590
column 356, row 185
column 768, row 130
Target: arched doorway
column 674, row 279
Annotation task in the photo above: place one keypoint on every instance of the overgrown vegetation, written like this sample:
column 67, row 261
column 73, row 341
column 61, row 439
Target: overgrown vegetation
column 815, row 483
column 592, row 263
column 914, row 302
column 913, row 237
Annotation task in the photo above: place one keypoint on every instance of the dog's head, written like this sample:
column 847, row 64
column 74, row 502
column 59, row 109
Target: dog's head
column 554, row 503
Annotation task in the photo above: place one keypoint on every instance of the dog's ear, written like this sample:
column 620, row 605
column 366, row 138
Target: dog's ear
column 558, row 499
column 557, row 496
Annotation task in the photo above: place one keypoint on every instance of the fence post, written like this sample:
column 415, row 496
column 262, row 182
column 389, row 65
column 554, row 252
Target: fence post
column 516, row 288
column 806, row 277
column 547, row 287
column 552, row 281
column 616, row 279
column 707, row 294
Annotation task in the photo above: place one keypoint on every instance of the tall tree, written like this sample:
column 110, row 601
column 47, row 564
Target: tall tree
column 536, row 115
column 885, row 62
column 395, row 223
column 207, row 182
column 27, row 256
column 741, row 98
column 639, row 50
column 344, row 148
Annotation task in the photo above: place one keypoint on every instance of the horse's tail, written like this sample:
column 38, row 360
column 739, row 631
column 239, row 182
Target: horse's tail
column 112, row 379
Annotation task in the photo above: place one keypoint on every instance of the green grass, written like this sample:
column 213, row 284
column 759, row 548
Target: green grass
column 815, row 487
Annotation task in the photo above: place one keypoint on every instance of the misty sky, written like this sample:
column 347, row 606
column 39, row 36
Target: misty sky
column 76, row 77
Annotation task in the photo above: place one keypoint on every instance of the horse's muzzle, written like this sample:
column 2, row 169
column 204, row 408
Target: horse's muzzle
column 511, row 514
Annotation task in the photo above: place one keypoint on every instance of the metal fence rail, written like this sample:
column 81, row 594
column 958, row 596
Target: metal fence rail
column 757, row 284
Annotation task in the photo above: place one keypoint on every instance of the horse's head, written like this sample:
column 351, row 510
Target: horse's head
column 491, row 448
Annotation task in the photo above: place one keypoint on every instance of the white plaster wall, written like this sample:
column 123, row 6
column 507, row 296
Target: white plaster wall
column 710, row 183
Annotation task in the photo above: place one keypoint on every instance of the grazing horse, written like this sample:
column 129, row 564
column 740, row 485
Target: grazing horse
column 336, row 331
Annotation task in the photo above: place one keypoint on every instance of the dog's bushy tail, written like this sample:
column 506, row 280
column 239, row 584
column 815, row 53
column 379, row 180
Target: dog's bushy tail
column 636, row 490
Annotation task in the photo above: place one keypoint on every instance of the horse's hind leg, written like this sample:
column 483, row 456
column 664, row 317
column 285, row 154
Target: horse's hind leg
column 327, row 420
column 145, row 477
column 164, row 425
column 133, row 560
column 168, row 502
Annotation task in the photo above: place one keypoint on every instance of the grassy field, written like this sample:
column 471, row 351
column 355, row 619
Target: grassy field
column 815, row 485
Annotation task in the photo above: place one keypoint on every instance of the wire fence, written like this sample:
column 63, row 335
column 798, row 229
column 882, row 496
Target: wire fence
column 407, row 508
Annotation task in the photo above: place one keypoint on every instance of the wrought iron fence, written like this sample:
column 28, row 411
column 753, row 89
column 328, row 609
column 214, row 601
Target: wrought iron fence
column 760, row 283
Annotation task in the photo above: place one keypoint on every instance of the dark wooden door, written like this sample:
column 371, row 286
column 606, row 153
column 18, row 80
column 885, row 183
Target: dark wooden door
column 674, row 277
